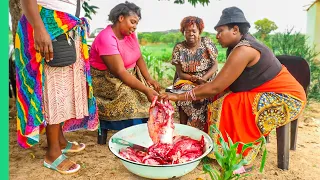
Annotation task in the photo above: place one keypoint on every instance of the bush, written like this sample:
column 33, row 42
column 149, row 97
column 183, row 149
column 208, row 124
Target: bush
column 295, row 43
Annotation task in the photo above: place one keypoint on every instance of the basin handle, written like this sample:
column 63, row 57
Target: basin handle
column 121, row 142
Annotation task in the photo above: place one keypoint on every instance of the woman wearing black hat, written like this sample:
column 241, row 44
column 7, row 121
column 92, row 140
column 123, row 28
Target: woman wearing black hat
column 253, row 92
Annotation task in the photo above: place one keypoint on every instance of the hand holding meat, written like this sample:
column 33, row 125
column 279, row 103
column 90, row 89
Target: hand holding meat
column 169, row 96
column 154, row 84
column 150, row 93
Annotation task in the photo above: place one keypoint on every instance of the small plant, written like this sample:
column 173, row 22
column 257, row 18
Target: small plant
column 228, row 158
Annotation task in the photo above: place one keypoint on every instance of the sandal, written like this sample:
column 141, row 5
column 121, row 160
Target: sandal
column 243, row 170
column 69, row 146
column 64, row 169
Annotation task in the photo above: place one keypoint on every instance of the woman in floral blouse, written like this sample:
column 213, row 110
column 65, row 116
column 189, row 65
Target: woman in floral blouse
column 196, row 63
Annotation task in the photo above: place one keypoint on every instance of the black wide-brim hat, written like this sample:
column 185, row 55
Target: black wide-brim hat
column 232, row 15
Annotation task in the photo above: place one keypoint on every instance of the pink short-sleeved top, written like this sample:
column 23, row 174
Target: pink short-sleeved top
column 106, row 43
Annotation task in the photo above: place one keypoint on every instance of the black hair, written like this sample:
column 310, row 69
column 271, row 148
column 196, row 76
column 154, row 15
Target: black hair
column 243, row 27
column 124, row 9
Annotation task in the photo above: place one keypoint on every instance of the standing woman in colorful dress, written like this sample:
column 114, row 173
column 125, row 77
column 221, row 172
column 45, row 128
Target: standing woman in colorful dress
column 196, row 63
column 54, row 89
column 121, row 81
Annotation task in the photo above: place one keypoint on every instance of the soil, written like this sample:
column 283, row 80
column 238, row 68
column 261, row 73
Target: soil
column 98, row 162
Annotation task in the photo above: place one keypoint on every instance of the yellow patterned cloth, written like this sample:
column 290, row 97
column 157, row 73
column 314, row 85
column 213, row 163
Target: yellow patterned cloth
column 116, row 101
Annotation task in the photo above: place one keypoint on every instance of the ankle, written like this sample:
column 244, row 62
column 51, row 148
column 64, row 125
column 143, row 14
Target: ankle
column 52, row 155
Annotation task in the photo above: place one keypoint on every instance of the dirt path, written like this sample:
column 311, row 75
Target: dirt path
column 99, row 163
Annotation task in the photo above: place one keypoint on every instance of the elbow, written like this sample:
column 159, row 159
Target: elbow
column 117, row 73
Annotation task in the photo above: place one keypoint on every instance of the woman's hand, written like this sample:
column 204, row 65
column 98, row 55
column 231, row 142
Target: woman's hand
column 197, row 80
column 169, row 96
column 154, row 84
column 194, row 78
column 43, row 43
column 201, row 81
column 150, row 93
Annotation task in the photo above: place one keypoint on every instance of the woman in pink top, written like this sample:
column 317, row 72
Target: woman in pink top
column 122, row 84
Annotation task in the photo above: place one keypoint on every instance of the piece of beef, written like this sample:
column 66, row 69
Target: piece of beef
column 160, row 123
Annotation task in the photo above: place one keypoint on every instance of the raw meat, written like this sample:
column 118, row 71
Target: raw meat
column 167, row 149
column 182, row 150
column 160, row 123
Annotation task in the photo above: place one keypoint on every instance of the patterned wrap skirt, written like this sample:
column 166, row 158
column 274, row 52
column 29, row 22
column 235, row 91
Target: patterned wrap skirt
column 116, row 101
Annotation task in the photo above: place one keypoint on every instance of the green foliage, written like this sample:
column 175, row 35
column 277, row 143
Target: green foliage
column 193, row 2
column 89, row 10
column 159, row 70
column 295, row 43
column 264, row 27
column 160, row 37
column 228, row 158
column 161, row 43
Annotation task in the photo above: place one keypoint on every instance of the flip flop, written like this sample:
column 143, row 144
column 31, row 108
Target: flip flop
column 243, row 170
column 69, row 146
column 57, row 162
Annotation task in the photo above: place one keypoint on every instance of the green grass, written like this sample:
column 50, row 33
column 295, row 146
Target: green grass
column 163, row 51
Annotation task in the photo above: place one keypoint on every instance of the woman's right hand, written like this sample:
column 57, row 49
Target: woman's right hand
column 43, row 43
column 150, row 93
column 169, row 96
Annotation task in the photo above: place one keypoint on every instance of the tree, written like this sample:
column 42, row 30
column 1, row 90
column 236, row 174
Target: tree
column 264, row 27
column 15, row 12
column 193, row 2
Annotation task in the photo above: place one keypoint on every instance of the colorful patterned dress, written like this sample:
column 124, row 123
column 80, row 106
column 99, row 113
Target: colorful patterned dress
column 52, row 95
column 195, row 63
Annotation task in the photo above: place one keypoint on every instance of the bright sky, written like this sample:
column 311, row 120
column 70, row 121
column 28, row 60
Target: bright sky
column 165, row 15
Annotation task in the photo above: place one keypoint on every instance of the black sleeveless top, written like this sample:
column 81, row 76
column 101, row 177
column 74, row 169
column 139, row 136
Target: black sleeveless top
column 264, row 70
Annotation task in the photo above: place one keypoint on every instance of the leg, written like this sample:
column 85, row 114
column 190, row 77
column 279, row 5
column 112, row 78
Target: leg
column 294, row 133
column 283, row 146
column 54, row 150
column 267, row 139
column 75, row 147
column 62, row 140
column 182, row 116
column 102, row 136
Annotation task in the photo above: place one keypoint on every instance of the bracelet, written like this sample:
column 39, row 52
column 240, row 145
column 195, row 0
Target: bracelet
column 193, row 95
column 186, row 95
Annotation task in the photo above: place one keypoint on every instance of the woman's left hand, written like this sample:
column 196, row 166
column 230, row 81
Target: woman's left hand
column 154, row 84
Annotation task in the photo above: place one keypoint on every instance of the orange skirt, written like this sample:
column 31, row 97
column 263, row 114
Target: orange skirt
column 246, row 116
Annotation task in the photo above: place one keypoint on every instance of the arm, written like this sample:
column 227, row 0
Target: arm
column 144, row 71
column 181, row 74
column 42, row 39
column 211, row 71
column 235, row 64
column 213, row 55
column 30, row 10
column 176, row 61
column 116, row 67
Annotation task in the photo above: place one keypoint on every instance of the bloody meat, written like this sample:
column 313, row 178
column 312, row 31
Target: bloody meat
column 167, row 149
